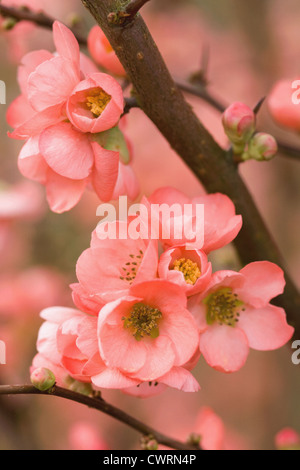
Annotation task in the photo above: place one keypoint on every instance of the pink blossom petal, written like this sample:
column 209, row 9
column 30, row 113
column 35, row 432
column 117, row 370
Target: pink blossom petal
column 19, row 111
column 51, row 83
column 37, row 123
column 127, row 183
column 65, row 42
column 224, row 348
column 120, row 349
column 30, row 163
column 67, row 151
column 28, row 65
column 159, row 360
column 211, row 429
column 266, row 328
column 263, row 282
column 105, row 172
column 180, row 378
column 113, row 378
column 63, row 193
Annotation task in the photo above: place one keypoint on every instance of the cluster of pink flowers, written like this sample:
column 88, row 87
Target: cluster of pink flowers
column 68, row 113
column 147, row 309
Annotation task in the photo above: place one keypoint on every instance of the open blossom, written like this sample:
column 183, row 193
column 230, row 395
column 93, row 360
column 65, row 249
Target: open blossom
column 85, row 436
column 148, row 345
column 235, row 314
column 102, row 52
column 108, row 268
column 282, row 108
column 64, row 108
column 189, row 269
column 221, row 224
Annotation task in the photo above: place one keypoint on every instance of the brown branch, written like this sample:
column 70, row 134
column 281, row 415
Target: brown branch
column 160, row 98
column 100, row 405
column 37, row 17
column 164, row 104
column 134, row 7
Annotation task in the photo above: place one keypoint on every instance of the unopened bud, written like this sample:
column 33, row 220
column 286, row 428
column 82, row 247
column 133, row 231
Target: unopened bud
column 194, row 439
column 149, row 443
column 80, row 387
column 8, row 24
column 43, row 379
column 239, row 123
column 261, row 147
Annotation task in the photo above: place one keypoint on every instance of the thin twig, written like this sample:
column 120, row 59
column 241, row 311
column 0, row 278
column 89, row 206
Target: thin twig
column 134, row 7
column 100, row 405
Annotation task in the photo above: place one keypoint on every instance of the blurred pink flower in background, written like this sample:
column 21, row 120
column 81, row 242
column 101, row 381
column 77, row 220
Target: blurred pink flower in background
column 102, row 52
column 281, row 106
column 85, row 436
column 287, row 439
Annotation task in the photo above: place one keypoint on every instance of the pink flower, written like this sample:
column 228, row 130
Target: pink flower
column 108, row 268
column 282, row 108
column 211, row 430
column 189, row 269
column 65, row 105
column 102, row 52
column 148, row 333
column 85, row 436
column 23, row 201
column 234, row 314
column 287, row 439
column 70, row 345
column 221, row 224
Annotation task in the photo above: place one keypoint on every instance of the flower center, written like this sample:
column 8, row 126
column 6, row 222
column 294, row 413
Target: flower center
column 129, row 271
column 143, row 321
column 97, row 102
column 222, row 306
column 189, row 269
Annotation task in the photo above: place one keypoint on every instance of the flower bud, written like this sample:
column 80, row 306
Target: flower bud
column 287, row 439
column 239, row 123
column 149, row 443
column 194, row 439
column 43, row 379
column 261, row 147
column 8, row 24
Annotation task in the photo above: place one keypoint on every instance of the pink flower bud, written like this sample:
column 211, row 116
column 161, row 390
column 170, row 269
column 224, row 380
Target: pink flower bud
column 149, row 443
column 43, row 379
column 287, row 439
column 262, row 147
column 102, row 52
column 239, row 124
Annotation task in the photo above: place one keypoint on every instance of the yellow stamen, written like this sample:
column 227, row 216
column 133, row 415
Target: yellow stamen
column 223, row 307
column 189, row 269
column 97, row 102
column 143, row 321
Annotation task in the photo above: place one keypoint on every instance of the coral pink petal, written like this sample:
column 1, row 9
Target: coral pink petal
column 263, row 282
column 281, row 105
column 181, row 328
column 105, row 172
column 224, row 348
column 51, row 83
column 65, row 42
column 113, row 378
column 67, row 151
column 28, row 65
column 120, row 349
column 87, row 66
column 266, row 328
column 63, row 193
column 180, row 378
column 30, row 163
column 37, row 123
column 19, row 112
column 127, row 183
column 160, row 359
column 211, row 429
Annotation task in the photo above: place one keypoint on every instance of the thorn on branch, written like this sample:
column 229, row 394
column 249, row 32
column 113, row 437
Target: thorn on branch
column 259, row 105
column 126, row 14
